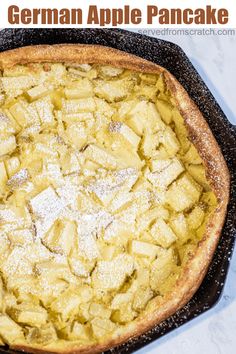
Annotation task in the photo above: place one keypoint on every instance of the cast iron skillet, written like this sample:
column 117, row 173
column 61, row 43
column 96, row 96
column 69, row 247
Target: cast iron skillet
column 174, row 59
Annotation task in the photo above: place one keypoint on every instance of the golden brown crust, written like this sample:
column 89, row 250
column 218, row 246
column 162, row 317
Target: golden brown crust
column 201, row 136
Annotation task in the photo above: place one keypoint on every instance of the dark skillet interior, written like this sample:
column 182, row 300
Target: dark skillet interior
column 174, row 59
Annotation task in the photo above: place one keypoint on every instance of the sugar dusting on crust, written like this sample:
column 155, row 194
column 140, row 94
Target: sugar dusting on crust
column 209, row 246
column 114, row 127
column 18, row 179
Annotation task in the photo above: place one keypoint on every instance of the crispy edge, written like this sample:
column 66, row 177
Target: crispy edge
column 203, row 139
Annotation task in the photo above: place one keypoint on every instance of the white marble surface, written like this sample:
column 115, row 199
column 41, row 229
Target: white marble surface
column 215, row 331
column 214, row 57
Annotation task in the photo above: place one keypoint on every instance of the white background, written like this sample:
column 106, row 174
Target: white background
column 142, row 4
column 215, row 331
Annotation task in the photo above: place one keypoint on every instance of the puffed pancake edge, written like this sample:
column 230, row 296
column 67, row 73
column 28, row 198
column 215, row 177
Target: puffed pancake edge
column 203, row 139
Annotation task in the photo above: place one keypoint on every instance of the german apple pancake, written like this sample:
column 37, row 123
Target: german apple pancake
column 113, row 194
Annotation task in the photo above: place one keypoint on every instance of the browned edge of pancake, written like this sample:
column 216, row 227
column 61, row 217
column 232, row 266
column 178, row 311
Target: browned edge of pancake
column 202, row 138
